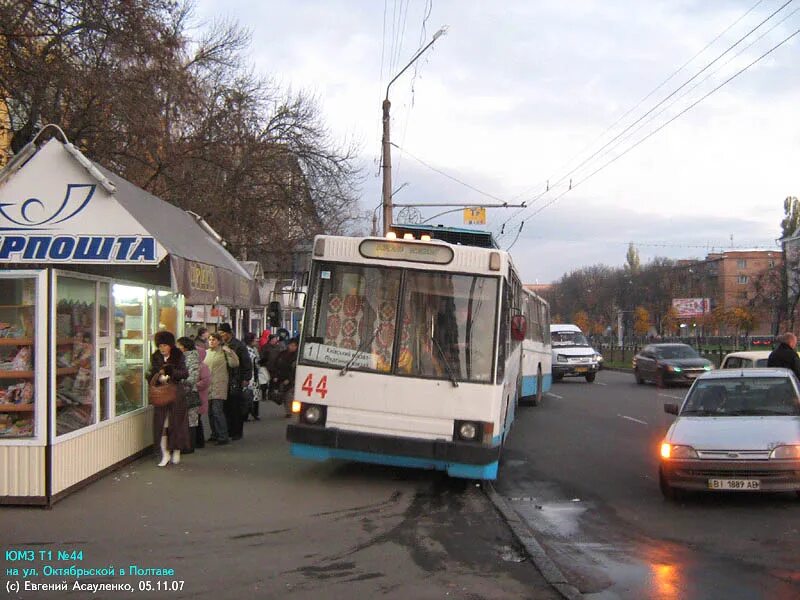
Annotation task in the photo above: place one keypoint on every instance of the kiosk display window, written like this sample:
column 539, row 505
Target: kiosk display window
column 75, row 353
column 130, row 350
column 18, row 355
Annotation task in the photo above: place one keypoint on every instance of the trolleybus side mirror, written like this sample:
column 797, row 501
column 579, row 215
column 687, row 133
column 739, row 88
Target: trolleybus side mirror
column 671, row 408
column 519, row 327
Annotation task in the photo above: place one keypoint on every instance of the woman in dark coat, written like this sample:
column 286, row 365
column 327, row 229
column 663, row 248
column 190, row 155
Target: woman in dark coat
column 285, row 366
column 171, row 422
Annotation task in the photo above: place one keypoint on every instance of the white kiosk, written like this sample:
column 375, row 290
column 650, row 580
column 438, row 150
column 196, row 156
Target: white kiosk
column 90, row 268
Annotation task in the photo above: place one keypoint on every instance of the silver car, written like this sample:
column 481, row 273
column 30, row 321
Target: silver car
column 737, row 430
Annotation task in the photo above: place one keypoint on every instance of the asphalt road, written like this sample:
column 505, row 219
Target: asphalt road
column 582, row 470
column 247, row 520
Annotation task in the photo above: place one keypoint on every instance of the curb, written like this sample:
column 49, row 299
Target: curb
column 551, row 573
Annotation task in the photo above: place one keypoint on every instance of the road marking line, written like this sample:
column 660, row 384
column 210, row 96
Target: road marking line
column 598, row 383
column 555, row 395
column 670, row 396
column 632, row 419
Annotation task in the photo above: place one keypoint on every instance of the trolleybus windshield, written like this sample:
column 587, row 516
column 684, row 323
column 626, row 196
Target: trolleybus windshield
column 445, row 330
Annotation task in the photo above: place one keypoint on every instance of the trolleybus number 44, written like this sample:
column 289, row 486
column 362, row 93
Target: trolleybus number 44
column 321, row 389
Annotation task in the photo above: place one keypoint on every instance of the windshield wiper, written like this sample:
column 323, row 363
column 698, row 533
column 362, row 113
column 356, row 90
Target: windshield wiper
column 361, row 349
column 446, row 362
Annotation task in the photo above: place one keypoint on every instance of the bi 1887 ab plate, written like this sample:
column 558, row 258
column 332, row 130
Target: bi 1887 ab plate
column 734, row 484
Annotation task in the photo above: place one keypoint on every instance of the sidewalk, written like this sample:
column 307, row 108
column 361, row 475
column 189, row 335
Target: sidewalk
column 247, row 520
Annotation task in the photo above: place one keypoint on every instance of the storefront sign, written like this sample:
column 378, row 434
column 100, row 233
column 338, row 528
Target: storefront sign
column 202, row 277
column 82, row 249
column 410, row 251
column 53, row 211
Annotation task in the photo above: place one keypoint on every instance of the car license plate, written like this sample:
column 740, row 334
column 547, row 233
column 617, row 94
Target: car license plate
column 581, row 369
column 734, row 484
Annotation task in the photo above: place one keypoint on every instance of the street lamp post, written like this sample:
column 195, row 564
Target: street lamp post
column 387, row 149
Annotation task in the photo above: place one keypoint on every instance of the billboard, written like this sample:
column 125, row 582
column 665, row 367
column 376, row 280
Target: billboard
column 691, row 307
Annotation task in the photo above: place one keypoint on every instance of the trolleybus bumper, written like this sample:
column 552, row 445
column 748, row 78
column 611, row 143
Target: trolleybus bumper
column 459, row 459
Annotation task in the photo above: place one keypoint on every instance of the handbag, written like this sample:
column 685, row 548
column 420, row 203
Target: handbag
column 233, row 381
column 161, row 394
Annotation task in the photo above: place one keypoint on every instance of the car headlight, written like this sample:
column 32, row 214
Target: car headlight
column 786, row 453
column 561, row 358
column 670, row 451
column 708, row 367
column 674, row 369
column 598, row 357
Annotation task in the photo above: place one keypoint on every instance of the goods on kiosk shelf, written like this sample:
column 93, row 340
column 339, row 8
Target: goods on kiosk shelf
column 17, row 398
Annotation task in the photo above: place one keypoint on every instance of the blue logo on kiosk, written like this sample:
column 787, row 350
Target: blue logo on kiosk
column 28, row 241
column 32, row 213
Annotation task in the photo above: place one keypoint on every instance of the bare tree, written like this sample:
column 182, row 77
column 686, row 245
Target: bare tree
column 184, row 118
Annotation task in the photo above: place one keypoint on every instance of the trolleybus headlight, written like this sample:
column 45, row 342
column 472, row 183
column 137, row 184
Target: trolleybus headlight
column 296, row 406
column 468, row 431
column 312, row 414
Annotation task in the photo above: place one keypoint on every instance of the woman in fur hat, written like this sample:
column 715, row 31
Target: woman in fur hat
column 171, row 422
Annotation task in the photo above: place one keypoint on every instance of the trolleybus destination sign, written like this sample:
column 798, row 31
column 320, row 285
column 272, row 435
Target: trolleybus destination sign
column 411, row 251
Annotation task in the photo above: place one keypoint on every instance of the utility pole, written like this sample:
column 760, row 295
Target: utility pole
column 386, row 140
column 387, row 166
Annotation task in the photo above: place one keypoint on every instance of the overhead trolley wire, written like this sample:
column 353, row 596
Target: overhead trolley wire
column 662, row 126
column 688, row 91
column 601, row 150
column 632, row 109
column 451, row 177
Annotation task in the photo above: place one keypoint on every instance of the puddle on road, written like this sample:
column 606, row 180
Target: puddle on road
column 559, row 519
column 606, row 564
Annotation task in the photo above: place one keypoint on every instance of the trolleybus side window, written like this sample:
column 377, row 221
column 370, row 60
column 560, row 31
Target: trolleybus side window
column 355, row 317
column 503, row 341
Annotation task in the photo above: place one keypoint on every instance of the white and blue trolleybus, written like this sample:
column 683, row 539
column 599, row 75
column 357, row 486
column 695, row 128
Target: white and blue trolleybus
column 416, row 353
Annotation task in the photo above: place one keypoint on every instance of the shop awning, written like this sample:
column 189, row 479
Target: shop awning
column 58, row 207
column 202, row 269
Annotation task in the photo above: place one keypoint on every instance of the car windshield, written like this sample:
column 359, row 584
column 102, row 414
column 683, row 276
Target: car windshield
column 568, row 338
column 445, row 330
column 742, row 396
column 676, row 352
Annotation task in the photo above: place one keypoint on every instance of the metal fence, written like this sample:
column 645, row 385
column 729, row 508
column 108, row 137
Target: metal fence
column 712, row 348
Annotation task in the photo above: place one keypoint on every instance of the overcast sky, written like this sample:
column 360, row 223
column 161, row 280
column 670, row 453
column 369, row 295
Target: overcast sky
column 519, row 93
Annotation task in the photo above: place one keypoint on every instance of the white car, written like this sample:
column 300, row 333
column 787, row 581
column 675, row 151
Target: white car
column 737, row 430
column 745, row 360
column 572, row 354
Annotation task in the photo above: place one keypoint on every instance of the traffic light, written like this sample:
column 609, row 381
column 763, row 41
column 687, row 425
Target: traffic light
column 274, row 314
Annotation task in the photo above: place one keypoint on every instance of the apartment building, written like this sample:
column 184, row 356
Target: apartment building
column 746, row 279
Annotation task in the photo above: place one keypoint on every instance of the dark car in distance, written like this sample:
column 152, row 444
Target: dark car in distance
column 666, row 364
